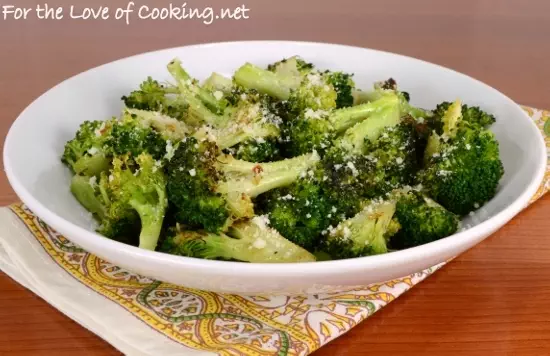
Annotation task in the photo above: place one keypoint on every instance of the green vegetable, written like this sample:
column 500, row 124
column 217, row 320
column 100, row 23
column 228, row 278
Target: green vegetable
column 248, row 241
column 282, row 163
column 462, row 166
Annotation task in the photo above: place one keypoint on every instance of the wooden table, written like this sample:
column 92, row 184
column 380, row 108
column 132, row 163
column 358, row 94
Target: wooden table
column 493, row 300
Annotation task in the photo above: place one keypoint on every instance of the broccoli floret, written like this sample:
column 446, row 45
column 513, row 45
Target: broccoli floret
column 247, row 241
column 192, row 180
column 344, row 85
column 251, row 119
column 130, row 136
column 367, row 233
column 188, row 85
column 382, row 113
column 210, row 191
column 476, row 117
column 132, row 197
column 143, row 190
column 297, row 81
column 91, row 151
column 310, row 91
column 152, row 96
column 318, row 129
column 85, row 153
column 300, row 211
column 422, row 220
column 372, row 158
column 315, row 92
column 382, row 160
column 250, row 76
column 277, row 81
column 258, row 150
column 394, row 155
column 116, row 222
column 167, row 127
column 386, row 163
column 462, row 166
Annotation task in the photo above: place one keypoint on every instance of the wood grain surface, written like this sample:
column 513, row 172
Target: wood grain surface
column 493, row 300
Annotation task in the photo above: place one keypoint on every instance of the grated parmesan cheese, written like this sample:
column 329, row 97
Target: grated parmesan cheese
column 347, row 233
column 218, row 95
column 314, row 114
column 354, row 171
column 93, row 181
column 262, row 221
column 169, row 150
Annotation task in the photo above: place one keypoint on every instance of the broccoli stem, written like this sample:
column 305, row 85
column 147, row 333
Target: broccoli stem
column 229, row 164
column 86, row 196
column 240, row 205
column 252, row 77
column 232, row 135
column 343, row 119
column 91, row 165
column 361, row 97
column 217, row 81
column 151, row 218
column 167, row 126
column 369, row 129
column 248, row 242
column 267, row 244
column 197, row 112
column 254, row 179
column 184, row 79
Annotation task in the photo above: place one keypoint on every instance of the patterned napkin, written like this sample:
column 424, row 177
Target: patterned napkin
column 141, row 316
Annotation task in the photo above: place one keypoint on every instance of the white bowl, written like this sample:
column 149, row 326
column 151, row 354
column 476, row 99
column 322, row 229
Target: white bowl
column 36, row 139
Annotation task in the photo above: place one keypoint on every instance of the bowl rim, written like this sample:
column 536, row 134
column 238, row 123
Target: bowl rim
column 296, row 268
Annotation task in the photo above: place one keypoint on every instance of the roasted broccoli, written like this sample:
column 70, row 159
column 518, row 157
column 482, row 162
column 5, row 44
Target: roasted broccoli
column 367, row 233
column 187, row 84
column 95, row 144
column 462, row 165
column 246, row 121
column 390, row 87
column 258, row 150
column 421, row 219
column 473, row 115
column 300, row 84
column 85, row 154
column 153, row 96
column 132, row 197
column 286, row 163
column 300, row 211
column 376, row 156
column 210, row 191
column 318, row 129
column 246, row 241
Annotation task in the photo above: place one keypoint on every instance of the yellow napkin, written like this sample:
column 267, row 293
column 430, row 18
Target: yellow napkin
column 140, row 316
